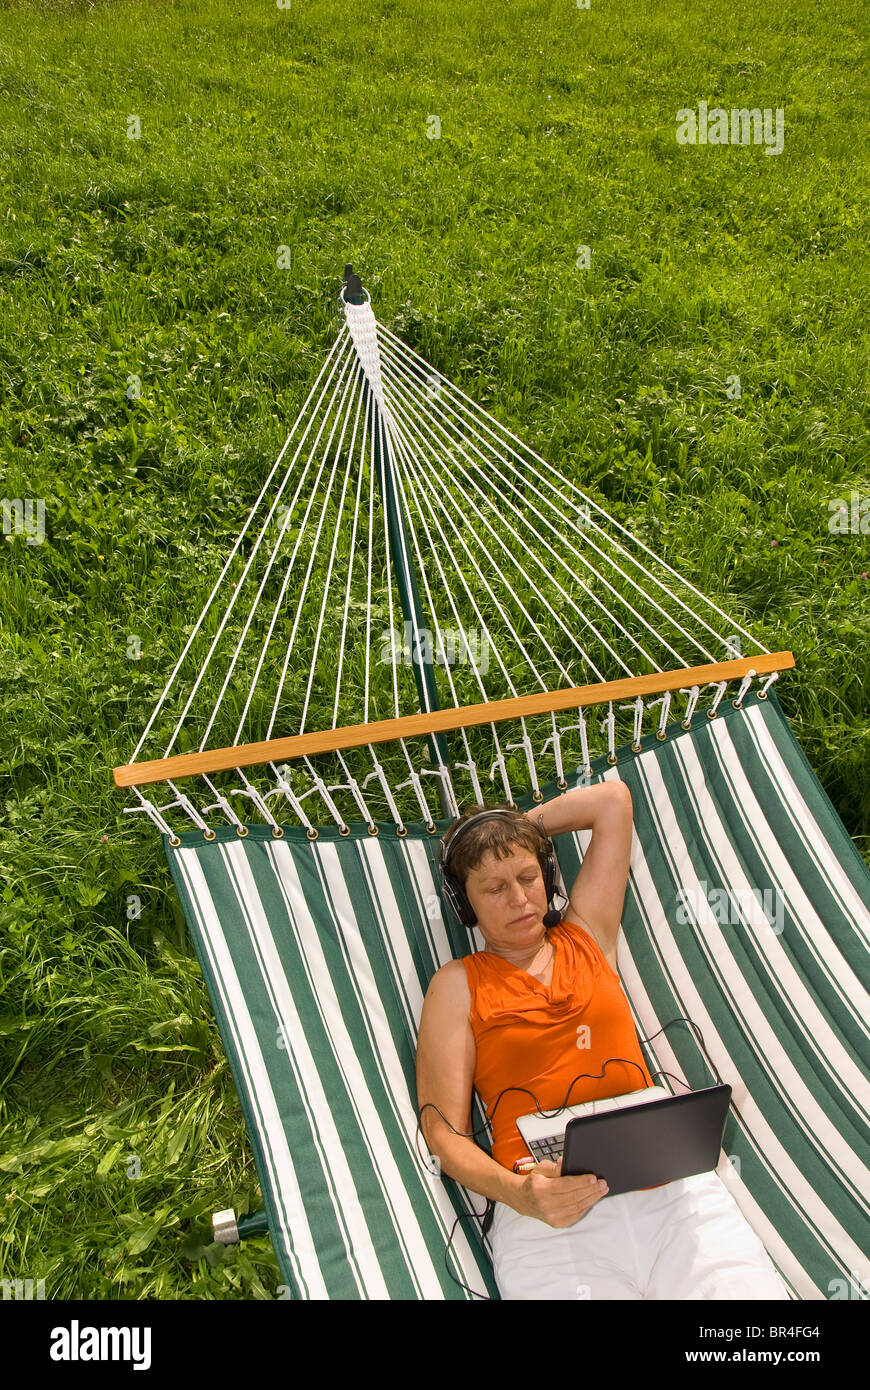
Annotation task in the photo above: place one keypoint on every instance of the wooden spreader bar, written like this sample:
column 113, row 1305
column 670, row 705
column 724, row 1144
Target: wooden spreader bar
column 415, row 725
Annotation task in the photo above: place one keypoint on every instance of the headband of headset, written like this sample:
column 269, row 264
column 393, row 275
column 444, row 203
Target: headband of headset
column 454, row 891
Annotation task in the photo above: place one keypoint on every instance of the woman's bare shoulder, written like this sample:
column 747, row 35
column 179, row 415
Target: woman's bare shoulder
column 449, row 985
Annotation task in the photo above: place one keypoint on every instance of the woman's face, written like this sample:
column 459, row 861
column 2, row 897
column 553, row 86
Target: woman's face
column 509, row 899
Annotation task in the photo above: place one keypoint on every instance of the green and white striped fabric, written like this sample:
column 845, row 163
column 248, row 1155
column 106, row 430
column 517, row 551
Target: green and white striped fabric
column 747, row 912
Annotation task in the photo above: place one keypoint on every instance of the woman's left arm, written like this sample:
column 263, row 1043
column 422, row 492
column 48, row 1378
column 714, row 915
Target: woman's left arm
column 598, row 895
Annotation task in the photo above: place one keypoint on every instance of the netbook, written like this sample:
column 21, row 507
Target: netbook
column 637, row 1140
column 544, row 1135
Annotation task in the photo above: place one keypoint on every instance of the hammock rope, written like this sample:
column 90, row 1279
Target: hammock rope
column 512, row 590
column 540, row 636
column 587, row 501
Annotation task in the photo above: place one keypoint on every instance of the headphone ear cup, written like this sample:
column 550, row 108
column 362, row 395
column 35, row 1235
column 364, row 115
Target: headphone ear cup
column 551, row 886
column 550, row 869
column 457, row 899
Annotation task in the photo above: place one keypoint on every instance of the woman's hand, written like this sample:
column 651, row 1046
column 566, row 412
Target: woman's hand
column 558, row 1201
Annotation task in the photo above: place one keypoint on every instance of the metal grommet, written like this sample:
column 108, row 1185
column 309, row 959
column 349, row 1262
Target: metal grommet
column 762, row 695
column 354, row 306
column 209, row 834
column 312, row 832
column 662, row 738
column 562, row 784
column 735, row 704
column 241, row 831
column 635, row 748
column 401, row 829
column 373, row 829
column 611, row 758
column 277, row 832
column 685, row 724
column 537, row 796
column 344, row 830
column 711, row 713
column 175, row 841
column 432, row 828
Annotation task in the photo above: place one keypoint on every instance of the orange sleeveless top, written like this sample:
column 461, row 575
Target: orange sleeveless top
column 542, row 1037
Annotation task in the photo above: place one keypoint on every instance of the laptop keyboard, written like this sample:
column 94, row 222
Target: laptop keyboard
column 550, row 1148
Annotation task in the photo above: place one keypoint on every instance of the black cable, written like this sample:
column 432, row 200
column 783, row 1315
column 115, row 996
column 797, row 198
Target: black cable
column 488, row 1212
column 465, row 1216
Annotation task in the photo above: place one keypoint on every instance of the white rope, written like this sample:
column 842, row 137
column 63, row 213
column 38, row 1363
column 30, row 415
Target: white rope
column 289, row 795
column 385, row 786
column 690, row 703
column 572, row 637
column 432, row 549
column 335, row 538
column 479, row 411
column 414, row 781
column 296, row 548
column 369, row 576
column 394, row 664
column 280, row 599
column 721, row 687
column 502, row 767
column 394, row 442
column 258, row 800
column 490, row 591
column 665, row 702
column 586, row 764
column 443, row 772
column 238, row 588
column 351, row 558
column 183, row 800
column 401, row 452
column 610, row 725
column 152, row 812
column 233, row 552
column 353, row 787
column 637, row 706
column 557, row 748
column 559, row 559
column 450, row 471
column 321, row 787
column 221, row 804
column 471, row 768
column 526, row 744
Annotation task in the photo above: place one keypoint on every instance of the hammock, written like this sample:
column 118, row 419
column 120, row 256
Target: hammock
column 308, row 869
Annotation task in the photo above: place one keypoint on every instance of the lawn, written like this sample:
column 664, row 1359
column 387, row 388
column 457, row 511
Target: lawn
column 182, row 186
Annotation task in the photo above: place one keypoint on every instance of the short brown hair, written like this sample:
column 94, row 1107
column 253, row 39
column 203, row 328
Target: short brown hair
column 500, row 836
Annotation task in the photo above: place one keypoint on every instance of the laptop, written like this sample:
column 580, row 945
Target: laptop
column 647, row 1145
column 544, row 1135
column 640, row 1139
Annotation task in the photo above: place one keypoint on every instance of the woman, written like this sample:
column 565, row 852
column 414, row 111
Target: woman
column 520, row 1022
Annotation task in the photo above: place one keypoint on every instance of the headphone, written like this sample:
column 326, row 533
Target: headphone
column 454, row 892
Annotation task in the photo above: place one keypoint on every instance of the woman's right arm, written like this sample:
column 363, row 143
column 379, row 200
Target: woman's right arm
column 446, row 1055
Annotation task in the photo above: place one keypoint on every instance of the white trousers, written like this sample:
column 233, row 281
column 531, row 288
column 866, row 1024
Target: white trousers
column 686, row 1240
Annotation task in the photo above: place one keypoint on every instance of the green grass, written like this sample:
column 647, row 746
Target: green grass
column 157, row 257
